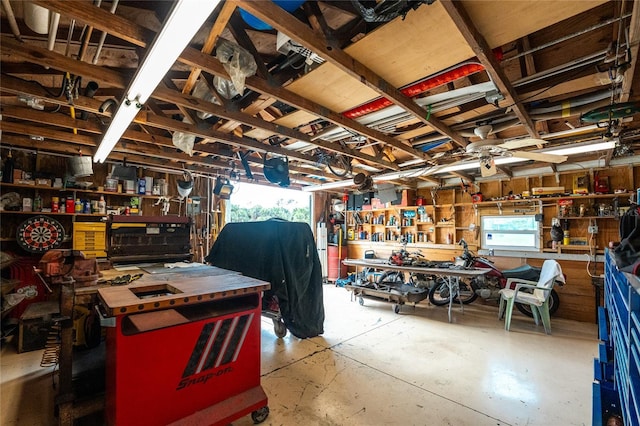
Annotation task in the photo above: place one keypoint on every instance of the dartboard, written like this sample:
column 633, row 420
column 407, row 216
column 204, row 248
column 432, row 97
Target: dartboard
column 39, row 234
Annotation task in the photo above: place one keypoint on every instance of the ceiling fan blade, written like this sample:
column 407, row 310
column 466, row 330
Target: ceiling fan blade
column 536, row 156
column 522, row 143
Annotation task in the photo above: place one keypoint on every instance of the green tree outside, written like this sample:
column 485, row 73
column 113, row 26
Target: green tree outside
column 283, row 210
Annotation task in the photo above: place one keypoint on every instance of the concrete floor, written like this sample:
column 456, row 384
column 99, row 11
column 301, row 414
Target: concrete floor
column 375, row 367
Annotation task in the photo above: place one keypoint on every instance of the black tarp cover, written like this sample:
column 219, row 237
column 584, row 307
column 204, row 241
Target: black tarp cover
column 284, row 254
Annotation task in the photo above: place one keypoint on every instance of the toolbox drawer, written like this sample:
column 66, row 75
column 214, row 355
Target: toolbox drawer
column 90, row 238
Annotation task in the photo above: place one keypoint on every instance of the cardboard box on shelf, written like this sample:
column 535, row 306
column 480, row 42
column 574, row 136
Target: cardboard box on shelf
column 547, row 190
column 27, row 204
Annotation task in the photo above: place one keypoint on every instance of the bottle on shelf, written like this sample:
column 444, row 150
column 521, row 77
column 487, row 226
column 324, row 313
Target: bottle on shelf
column 102, row 205
column 70, row 205
column 142, row 186
column 55, row 204
column 78, row 206
column 37, row 203
column 7, row 171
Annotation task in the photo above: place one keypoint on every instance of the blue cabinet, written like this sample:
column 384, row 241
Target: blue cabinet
column 616, row 387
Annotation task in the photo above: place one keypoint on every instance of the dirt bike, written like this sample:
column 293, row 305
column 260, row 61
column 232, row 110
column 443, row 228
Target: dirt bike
column 488, row 286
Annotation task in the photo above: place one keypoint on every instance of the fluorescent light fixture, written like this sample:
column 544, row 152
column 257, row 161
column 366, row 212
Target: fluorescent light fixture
column 124, row 116
column 186, row 18
column 405, row 174
column 411, row 162
column 328, row 185
column 581, row 149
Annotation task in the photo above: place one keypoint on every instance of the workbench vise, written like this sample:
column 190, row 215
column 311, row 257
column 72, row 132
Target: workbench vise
column 66, row 267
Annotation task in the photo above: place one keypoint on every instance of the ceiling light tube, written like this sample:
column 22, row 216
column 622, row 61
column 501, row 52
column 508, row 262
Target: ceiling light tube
column 186, row 18
column 581, row 149
column 125, row 114
column 328, row 185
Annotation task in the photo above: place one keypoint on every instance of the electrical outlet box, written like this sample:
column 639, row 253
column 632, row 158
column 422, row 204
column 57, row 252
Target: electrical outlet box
column 593, row 229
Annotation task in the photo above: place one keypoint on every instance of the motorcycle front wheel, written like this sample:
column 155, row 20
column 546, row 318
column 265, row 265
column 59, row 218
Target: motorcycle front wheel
column 439, row 293
column 466, row 293
column 554, row 304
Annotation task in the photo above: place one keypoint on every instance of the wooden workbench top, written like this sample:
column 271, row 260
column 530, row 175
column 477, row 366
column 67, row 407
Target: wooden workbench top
column 177, row 288
column 381, row 264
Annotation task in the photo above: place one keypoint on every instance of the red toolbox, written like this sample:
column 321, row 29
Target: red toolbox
column 184, row 353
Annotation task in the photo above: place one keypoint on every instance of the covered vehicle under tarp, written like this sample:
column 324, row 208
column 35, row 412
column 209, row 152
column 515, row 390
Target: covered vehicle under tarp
column 283, row 253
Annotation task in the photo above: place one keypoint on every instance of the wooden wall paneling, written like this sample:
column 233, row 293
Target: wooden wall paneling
column 516, row 185
column 618, row 178
column 491, row 188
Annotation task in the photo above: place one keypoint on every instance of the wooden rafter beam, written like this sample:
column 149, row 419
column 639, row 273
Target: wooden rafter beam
column 139, row 36
column 160, row 150
column 210, row 42
column 317, row 21
column 213, row 66
column 101, row 19
column 300, row 32
column 463, row 176
column 505, row 171
column 481, row 48
column 237, row 27
column 71, row 148
column 66, row 122
column 56, row 60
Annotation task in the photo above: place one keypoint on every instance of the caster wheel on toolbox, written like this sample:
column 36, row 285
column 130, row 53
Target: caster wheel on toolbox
column 396, row 309
column 260, row 415
column 361, row 301
column 279, row 328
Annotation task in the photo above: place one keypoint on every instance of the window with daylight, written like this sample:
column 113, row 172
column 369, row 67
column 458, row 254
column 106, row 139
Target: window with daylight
column 510, row 233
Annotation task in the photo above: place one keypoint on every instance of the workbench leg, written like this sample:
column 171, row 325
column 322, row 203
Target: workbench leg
column 450, row 284
column 65, row 414
column 458, row 293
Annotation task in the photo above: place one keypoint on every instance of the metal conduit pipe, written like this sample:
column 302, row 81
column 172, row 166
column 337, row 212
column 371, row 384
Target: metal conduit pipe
column 555, row 110
column 570, row 111
column 103, row 36
column 568, row 37
column 569, row 66
column 575, row 102
column 12, row 20
column 72, row 25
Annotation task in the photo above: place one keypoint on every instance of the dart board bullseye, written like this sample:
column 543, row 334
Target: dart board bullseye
column 39, row 234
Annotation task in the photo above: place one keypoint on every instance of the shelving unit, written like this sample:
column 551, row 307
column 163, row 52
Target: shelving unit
column 113, row 200
column 616, row 388
column 450, row 221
